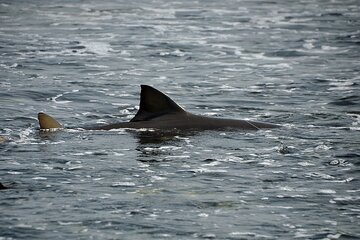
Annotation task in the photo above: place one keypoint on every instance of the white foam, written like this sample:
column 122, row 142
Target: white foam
column 158, row 178
column 179, row 156
column 206, row 170
column 278, row 66
column 329, row 48
column 39, row 178
column 123, row 184
column 100, row 48
column 96, row 66
column 327, row 191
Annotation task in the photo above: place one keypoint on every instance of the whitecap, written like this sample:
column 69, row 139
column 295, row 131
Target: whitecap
column 206, row 170
column 105, row 196
column 260, row 56
column 121, row 131
column 210, row 114
column 353, row 191
column 123, row 184
column 203, row 215
column 179, row 156
column 98, row 179
column 23, row 225
column 14, row 173
column 341, row 85
column 100, row 48
column 278, row 66
column 83, row 153
column 118, row 154
column 233, row 159
column 327, row 191
column 320, row 175
column 158, row 178
column 39, row 178
column 306, row 164
column 75, row 168
column 270, row 163
column 308, row 45
column 328, row 48
column 333, row 236
column 69, row 223
column 124, row 112
column 96, row 66
column 169, row 148
column 228, row 88
column 121, row 104
column 55, row 99
column 251, row 235
column 301, row 233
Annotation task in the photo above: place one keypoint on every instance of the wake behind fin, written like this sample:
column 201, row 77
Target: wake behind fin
column 154, row 103
column 48, row 123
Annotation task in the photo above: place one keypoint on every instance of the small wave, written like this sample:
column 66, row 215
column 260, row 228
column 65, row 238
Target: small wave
column 96, row 66
column 320, row 175
column 69, row 223
column 123, row 184
column 327, row 191
column 157, row 178
column 286, row 54
column 342, row 85
column 251, row 235
column 283, row 66
column 39, row 178
column 99, row 48
column 177, row 157
column 262, row 56
column 55, row 99
column 351, row 100
column 345, row 200
column 207, row 170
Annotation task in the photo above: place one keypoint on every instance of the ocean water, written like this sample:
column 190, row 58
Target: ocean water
column 294, row 63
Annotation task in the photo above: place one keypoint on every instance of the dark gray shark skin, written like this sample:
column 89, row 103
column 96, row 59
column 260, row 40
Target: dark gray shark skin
column 158, row 111
column 188, row 121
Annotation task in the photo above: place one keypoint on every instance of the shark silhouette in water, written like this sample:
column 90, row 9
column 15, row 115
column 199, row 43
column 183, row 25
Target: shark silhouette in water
column 158, row 111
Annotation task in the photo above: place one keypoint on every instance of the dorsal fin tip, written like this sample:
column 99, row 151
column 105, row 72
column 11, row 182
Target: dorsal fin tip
column 154, row 103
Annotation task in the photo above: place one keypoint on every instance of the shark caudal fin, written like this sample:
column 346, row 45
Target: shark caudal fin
column 48, row 123
column 154, row 103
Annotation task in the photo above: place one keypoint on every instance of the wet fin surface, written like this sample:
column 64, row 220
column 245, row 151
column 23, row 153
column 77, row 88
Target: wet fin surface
column 154, row 103
column 48, row 122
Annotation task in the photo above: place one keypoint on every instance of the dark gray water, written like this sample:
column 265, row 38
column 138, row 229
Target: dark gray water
column 295, row 63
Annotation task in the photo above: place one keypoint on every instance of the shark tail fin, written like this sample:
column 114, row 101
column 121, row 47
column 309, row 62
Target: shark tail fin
column 48, row 123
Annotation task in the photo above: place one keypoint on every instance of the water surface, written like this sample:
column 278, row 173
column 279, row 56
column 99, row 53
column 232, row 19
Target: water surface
column 291, row 63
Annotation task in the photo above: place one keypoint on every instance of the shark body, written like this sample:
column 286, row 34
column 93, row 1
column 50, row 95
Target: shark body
column 158, row 111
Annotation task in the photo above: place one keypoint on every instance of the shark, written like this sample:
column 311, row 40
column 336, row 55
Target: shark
column 159, row 112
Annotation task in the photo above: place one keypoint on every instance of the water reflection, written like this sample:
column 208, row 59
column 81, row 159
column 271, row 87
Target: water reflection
column 49, row 135
column 160, row 136
column 160, row 146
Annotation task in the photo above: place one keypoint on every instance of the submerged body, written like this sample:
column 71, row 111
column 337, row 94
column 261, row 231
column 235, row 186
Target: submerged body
column 158, row 111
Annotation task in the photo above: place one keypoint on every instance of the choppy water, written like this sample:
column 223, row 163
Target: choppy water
column 295, row 63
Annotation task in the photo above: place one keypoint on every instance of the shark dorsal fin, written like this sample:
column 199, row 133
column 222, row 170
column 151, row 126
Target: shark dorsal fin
column 154, row 103
column 47, row 122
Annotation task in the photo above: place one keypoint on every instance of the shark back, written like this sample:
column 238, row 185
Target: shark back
column 158, row 111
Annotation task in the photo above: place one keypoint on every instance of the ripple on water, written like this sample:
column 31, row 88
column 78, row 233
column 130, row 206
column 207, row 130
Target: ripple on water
column 294, row 63
column 123, row 184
